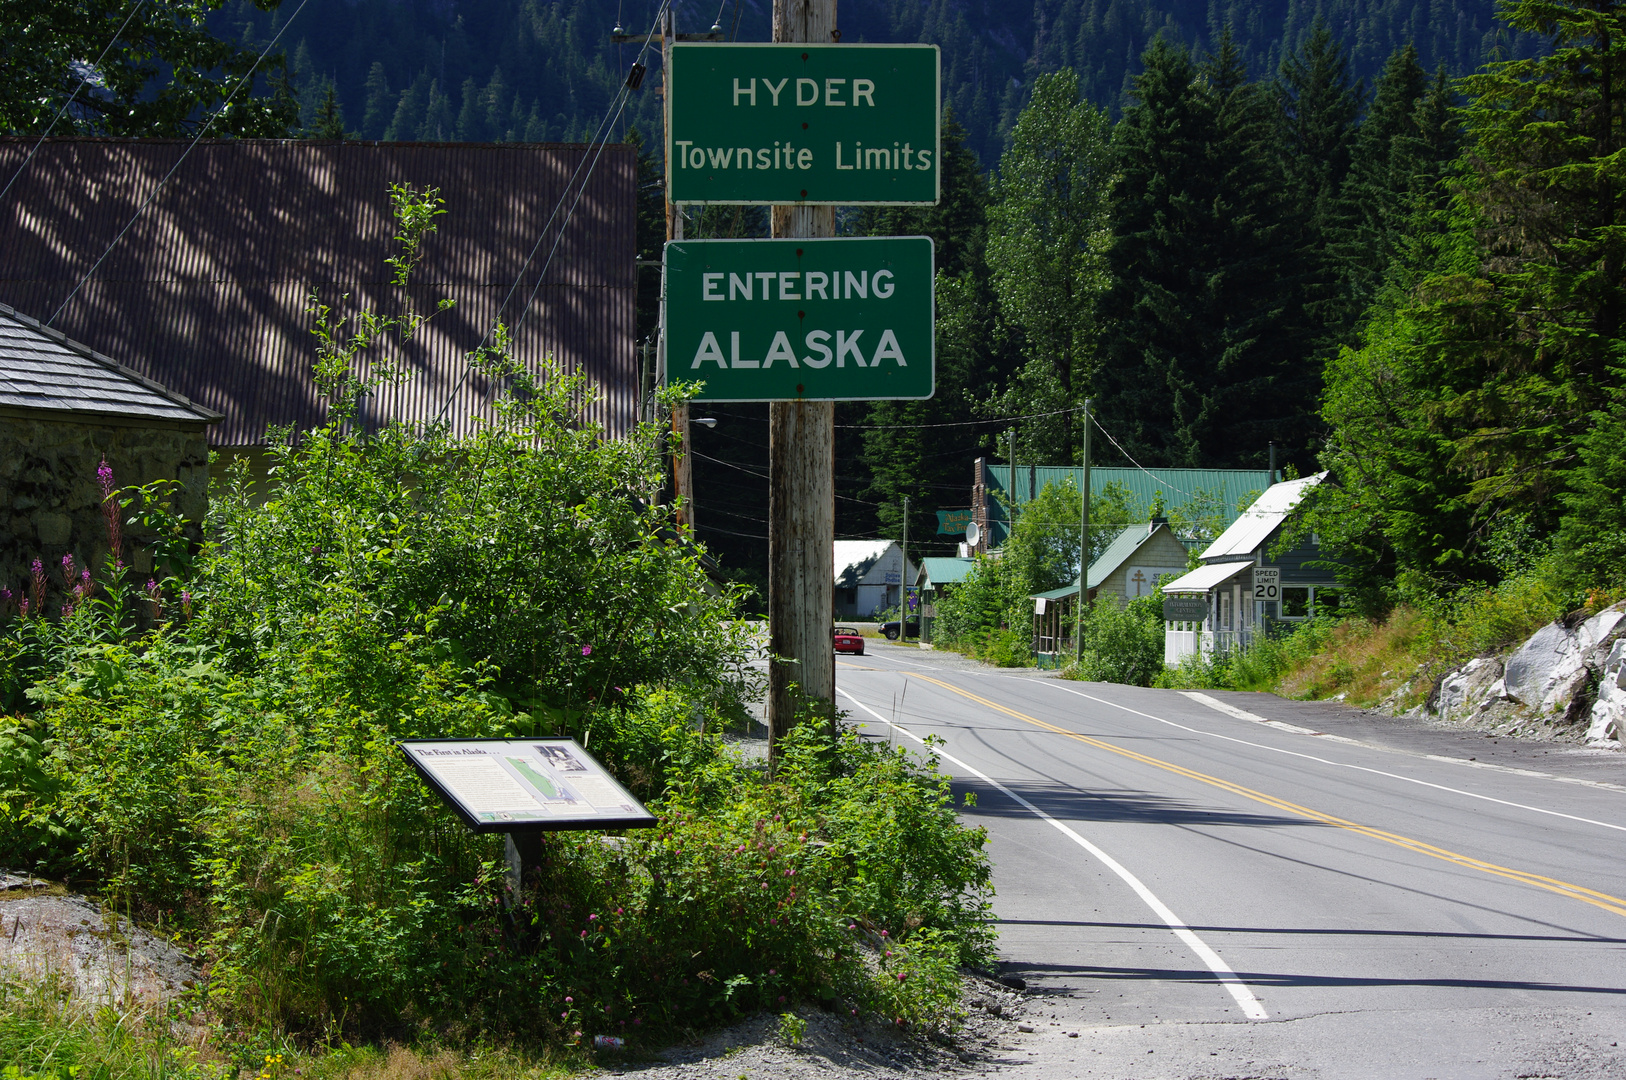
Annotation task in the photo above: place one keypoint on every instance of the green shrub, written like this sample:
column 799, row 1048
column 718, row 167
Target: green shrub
column 234, row 771
column 1005, row 648
column 1123, row 643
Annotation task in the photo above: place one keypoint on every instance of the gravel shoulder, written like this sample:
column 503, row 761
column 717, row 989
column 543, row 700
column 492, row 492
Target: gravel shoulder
column 842, row 1048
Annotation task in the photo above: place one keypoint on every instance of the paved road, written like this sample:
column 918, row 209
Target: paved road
column 1198, row 893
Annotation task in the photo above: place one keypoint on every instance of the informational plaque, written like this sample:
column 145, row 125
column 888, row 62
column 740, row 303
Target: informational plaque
column 519, row 785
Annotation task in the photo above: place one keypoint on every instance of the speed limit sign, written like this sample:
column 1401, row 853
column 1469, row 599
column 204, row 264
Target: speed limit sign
column 1267, row 583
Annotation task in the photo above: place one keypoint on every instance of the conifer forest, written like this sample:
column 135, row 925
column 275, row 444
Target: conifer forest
column 1381, row 236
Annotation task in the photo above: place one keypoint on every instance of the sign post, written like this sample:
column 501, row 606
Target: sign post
column 801, row 125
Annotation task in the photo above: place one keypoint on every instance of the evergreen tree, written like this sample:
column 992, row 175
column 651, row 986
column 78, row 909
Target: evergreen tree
column 1592, row 535
column 1319, row 112
column 1206, row 358
column 471, row 120
column 379, row 103
column 409, row 111
column 328, row 122
column 1489, row 391
column 1374, row 205
column 904, row 452
column 439, row 124
column 1048, row 233
column 1319, row 109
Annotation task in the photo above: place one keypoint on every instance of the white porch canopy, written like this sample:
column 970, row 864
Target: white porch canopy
column 1206, row 577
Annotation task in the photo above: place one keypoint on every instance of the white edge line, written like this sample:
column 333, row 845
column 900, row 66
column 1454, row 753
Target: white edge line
column 1238, row 989
column 1230, row 710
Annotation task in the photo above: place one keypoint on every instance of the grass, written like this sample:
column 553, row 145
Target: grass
column 1398, row 659
column 1367, row 662
column 47, row 1035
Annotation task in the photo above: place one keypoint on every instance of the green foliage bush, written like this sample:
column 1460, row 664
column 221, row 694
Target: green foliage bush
column 1123, row 643
column 233, row 768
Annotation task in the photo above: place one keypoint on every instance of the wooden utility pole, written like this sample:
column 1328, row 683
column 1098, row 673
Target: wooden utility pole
column 682, row 472
column 1084, row 539
column 903, row 578
column 801, row 480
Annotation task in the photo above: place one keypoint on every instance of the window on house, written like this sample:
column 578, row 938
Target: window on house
column 1296, row 603
column 1326, row 601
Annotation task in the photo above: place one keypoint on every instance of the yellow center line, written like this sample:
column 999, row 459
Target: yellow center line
column 1605, row 901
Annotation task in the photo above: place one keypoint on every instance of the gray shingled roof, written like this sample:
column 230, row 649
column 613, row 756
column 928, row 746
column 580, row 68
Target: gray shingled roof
column 42, row 369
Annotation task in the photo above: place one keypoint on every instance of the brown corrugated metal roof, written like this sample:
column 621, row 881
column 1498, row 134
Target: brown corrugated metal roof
column 207, row 292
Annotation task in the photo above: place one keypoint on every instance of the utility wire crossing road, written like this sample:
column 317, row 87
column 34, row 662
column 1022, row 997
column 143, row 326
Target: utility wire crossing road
column 1320, row 906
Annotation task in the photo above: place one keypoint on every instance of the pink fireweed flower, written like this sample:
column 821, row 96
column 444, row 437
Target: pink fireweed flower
column 110, row 510
column 587, row 650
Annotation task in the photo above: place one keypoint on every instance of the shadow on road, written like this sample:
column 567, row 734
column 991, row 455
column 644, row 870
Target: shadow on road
column 1262, row 978
column 1316, row 931
column 1072, row 804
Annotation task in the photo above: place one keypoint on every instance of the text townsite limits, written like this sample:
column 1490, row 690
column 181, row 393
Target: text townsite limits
column 834, row 319
column 761, row 124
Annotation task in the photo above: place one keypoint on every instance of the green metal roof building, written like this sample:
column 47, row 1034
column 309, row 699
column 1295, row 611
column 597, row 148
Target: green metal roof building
column 1221, row 489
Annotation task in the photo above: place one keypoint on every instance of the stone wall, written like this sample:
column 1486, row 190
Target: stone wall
column 51, row 504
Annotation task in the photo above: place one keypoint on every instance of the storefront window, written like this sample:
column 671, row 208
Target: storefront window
column 1295, row 603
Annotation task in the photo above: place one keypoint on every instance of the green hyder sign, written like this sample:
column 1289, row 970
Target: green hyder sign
column 797, row 123
column 846, row 319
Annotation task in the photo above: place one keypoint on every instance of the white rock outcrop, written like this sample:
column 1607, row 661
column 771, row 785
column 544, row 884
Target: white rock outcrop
column 1548, row 670
column 1608, row 726
column 1545, row 682
column 101, row 956
column 1469, row 689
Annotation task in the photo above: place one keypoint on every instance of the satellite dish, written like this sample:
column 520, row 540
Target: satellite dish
column 973, row 534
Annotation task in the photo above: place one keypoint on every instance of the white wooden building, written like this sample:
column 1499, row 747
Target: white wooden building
column 1242, row 586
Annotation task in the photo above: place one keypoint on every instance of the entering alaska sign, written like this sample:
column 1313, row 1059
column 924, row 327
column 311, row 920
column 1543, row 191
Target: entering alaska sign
column 857, row 125
column 837, row 319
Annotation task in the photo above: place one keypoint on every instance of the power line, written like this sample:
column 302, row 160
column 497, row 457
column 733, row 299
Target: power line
column 1137, row 464
column 94, row 68
column 600, row 134
column 764, row 476
column 915, row 427
column 202, row 130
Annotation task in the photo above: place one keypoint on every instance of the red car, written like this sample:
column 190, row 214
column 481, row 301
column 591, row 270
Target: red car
column 849, row 640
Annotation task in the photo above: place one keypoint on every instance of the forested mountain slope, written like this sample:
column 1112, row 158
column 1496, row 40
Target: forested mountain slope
column 539, row 70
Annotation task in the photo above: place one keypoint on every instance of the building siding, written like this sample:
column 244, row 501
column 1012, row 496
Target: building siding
column 208, row 291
